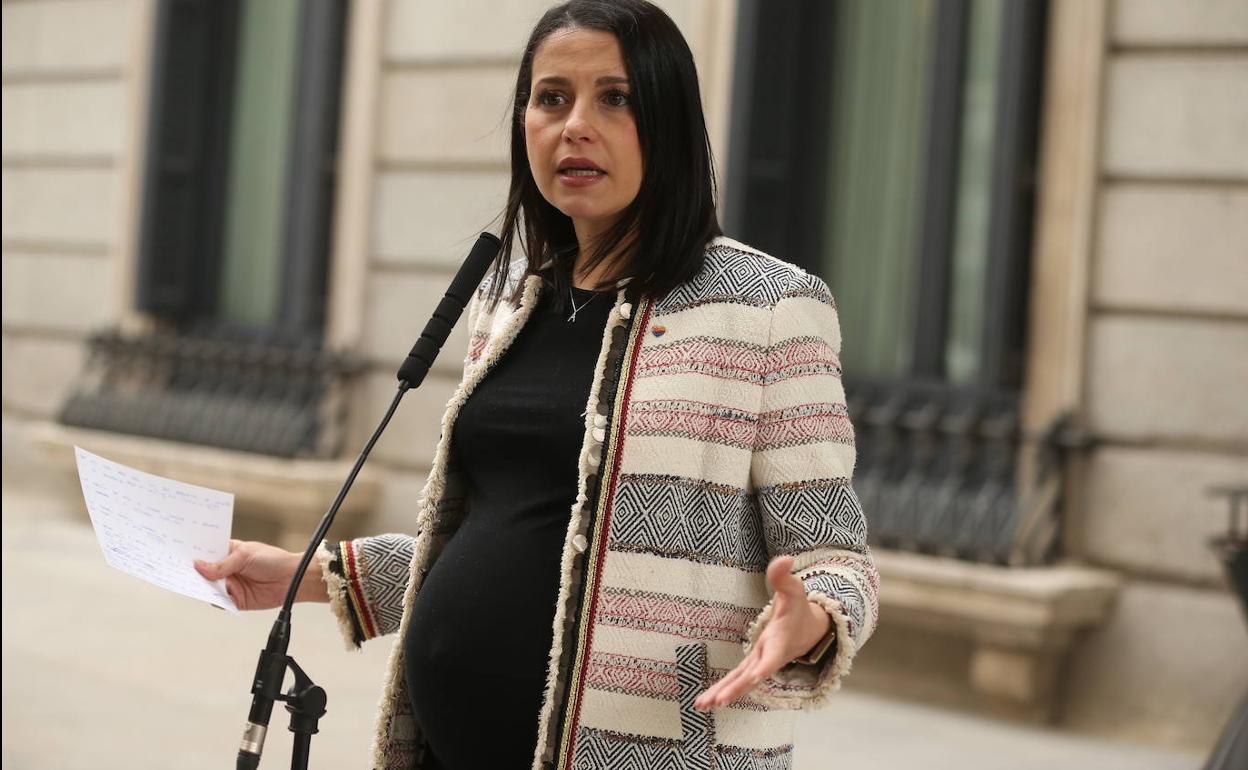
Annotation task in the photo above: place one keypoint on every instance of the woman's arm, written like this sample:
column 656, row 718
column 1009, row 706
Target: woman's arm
column 814, row 528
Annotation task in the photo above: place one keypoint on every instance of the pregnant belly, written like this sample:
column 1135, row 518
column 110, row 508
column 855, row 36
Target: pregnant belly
column 490, row 593
column 479, row 639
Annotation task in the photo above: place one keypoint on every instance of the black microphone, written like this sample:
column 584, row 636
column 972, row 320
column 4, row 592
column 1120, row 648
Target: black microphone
column 305, row 700
column 417, row 363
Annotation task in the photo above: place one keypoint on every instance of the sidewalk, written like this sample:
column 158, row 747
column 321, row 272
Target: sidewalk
column 104, row 671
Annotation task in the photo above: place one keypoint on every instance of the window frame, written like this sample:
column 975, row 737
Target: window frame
column 180, row 250
column 773, row 204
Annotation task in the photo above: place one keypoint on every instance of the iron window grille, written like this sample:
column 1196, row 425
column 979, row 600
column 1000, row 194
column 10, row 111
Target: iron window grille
column 231, row 388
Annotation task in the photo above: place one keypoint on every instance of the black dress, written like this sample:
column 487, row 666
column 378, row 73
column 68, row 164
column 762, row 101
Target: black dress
column 479, row 636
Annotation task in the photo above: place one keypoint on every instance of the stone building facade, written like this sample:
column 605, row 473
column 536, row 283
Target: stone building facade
column 1138, row 322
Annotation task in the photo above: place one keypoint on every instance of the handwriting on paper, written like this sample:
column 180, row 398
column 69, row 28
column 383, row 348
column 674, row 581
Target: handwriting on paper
column 154, row 528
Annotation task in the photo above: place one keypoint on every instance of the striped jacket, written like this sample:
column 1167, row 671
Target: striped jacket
column 716, row 437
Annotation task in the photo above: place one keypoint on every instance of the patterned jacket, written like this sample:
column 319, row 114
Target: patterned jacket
column 716, row 437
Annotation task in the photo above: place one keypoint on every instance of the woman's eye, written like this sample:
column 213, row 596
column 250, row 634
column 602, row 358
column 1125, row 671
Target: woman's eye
column 614, row 98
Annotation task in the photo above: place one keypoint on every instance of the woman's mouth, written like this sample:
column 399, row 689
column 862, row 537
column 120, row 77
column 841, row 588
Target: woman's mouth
column 580, row 177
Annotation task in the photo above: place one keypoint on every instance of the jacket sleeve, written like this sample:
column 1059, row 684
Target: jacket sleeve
column 367, row 577
column 801, row 472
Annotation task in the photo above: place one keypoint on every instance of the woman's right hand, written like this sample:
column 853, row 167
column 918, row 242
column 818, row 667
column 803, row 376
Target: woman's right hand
column 257, row 575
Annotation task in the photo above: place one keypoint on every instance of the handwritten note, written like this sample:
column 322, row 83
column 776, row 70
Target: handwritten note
column 154, row 528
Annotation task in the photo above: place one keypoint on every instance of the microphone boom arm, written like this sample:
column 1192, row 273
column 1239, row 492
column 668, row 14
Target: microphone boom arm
column 305, row 700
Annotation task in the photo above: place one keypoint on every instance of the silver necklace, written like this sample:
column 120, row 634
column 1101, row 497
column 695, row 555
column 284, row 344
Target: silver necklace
column 575, row 309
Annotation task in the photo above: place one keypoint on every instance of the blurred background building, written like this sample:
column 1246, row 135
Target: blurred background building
column 225, row 221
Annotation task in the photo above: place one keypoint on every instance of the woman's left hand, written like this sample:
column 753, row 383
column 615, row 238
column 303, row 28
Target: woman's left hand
column 796, row 625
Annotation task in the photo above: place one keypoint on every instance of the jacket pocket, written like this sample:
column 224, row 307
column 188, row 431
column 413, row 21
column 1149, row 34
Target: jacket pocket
column 697, row 728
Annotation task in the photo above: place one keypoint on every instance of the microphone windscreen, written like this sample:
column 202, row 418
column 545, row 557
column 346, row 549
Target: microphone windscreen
column 483, row 254
column 448, row 311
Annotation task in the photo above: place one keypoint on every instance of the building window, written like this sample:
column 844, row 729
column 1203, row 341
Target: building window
column 890, row 147
column 240, row 171
column 235, row 237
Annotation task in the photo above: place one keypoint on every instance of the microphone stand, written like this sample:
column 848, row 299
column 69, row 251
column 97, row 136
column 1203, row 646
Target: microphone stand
column 305, row 700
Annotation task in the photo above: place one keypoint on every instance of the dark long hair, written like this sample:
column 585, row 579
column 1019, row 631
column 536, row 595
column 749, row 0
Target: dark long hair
column 667, row 226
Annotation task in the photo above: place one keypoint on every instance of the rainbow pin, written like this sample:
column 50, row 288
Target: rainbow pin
column 658, row 330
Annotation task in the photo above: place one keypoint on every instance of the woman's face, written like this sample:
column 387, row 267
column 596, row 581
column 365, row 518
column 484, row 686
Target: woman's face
column 579, row 128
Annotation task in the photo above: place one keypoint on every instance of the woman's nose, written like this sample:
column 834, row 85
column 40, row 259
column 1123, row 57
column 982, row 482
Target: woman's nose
column 580, row 123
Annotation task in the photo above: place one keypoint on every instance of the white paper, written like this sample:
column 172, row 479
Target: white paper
column 154, row 528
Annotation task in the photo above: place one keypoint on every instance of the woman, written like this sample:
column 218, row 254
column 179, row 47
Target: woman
column 650, row 435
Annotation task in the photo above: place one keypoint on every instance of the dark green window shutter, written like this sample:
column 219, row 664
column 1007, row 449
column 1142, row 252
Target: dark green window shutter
column 313, row 166
column 188, row 140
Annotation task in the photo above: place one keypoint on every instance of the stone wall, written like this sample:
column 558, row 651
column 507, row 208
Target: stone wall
column 1166, row 371
column 73, row 83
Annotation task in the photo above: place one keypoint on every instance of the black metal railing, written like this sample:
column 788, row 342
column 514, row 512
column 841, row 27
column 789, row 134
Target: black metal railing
column 238, row 389
column 938, row 472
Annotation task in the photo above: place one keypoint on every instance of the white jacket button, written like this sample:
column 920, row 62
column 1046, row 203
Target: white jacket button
column 593, row 460
column 600, row 421
column 580, row 543
column 626, row 310
column 600, row 435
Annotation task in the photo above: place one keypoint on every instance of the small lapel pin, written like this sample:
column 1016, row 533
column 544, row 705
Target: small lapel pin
column 658, row 329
